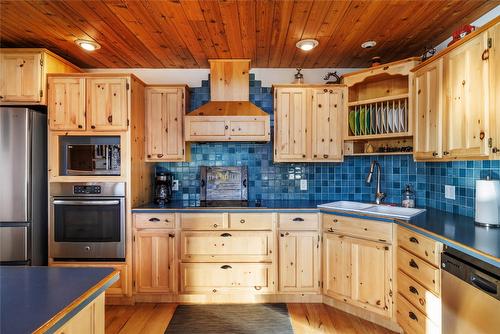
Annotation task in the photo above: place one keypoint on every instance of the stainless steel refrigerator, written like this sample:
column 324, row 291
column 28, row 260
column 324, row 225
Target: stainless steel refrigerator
column 23, row 186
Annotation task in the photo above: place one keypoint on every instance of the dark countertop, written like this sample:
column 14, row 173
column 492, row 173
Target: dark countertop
column 250, row 205
column 32, row 296
column 451, row 229
column 455, row 230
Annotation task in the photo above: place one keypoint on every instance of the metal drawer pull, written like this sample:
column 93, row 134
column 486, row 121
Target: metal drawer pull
column 412, row 316
column 298, row 219
column 215, row 225
column 257, row 287
column 226, row 267
column 242, row 221
column 171, row 235
column 335, row 220
column 413, row 290
column 154, row 219
column 330, row 229
column 413, row 264
column 225, row 235
column 414, row 240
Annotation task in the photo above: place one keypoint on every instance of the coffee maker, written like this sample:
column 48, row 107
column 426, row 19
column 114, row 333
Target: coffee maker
column 163, row 187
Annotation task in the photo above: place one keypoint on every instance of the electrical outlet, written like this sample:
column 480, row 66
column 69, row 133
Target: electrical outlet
column 175, row 185
column 449, row 192
column 303, row 184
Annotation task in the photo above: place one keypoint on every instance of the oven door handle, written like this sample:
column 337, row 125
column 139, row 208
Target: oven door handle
column 73, row 202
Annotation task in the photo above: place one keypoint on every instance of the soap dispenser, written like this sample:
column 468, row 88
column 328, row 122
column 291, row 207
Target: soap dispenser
column 408, row 200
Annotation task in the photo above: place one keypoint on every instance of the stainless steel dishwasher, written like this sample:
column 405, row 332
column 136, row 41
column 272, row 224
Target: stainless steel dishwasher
column 470, row 294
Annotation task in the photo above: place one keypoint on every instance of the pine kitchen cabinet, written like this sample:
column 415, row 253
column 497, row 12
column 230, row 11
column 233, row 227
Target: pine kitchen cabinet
column 156, row 270
column 357, row 268
column 307, row 122
column 455, row 100
column 165, row 109
column 24, row 74
column 299, row 253
column 88, row 103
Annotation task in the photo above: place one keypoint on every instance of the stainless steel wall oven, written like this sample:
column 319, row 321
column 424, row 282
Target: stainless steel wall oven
column 87, row 221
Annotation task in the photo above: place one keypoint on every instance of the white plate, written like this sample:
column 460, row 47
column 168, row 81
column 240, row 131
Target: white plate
column 390, row 122
column 396, row 119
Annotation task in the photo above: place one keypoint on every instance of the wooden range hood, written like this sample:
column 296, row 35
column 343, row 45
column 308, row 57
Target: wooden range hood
column 229, row 116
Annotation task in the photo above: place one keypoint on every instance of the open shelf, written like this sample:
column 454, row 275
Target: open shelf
column 378, row 99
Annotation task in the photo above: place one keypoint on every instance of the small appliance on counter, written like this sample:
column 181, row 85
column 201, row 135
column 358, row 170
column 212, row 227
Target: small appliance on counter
column 408, row 200
column 163, row 187
column 488, row 203
column 224, row 186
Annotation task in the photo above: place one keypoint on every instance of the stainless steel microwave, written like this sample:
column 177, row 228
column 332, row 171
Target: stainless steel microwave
column 89, row 155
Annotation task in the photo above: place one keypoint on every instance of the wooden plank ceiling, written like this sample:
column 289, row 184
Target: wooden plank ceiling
column 185, row 33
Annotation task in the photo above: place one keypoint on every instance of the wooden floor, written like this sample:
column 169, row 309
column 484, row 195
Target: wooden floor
column 306, row 318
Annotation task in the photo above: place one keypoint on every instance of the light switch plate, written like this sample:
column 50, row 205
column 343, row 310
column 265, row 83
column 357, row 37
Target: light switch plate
column 303, row 184
column 175, row 185
column 449, row 192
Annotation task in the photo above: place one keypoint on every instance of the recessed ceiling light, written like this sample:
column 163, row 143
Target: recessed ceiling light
column 87, row 45
column 368, row 44
column 307, row 44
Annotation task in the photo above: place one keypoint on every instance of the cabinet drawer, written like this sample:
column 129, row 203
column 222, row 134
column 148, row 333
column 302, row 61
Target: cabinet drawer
column 154, row 220
column 419, row 270
column 298, row 221
column 250, row 221
column 235, row 246
column 427, row 302
column 221, row 278
column 412, row 320
column 420, row 245
column 357, row 227
column 203, row 221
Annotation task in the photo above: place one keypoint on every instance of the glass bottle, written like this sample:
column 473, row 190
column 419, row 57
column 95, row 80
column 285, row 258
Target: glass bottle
column 408, row 197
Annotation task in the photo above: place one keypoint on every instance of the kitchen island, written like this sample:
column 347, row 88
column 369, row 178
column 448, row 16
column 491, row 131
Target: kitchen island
column 53, row 300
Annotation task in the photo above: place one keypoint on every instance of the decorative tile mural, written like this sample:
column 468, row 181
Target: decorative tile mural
column 327, row 181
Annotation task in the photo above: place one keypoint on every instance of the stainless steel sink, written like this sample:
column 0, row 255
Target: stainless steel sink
column 377, row 210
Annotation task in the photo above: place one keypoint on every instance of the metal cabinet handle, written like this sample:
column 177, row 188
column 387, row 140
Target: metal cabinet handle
column 413, row 290
column 298, row 219
column 414, row 240
column 92, row 126
column 434, row 154
column 325, row 156
column 486, row 54
column 159, row 155
column 171, row 235
column 257, row 287
column 215, row 225
column 154, row 219
column 226, row 127
column 226, row 267
column 335, row 220
column 413, row 264
column 495, row 150
column 80, row 126
column 446, row 153
column 242, row 221
column 330, row 229
column 412, row 316
column 225, row 235
column 110, row 119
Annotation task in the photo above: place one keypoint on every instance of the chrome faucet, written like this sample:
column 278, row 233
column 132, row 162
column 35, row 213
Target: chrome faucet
column 379, row 195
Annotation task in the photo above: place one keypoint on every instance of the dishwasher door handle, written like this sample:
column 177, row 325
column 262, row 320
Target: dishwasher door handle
column 483, row 284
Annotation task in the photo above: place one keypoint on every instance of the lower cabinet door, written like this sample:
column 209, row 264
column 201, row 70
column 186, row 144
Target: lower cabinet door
column 372, row 275
column 89, row 320
column 154, row 261
column 299, row 266
column 336, row 266
column 234, row 246
column 226, row 278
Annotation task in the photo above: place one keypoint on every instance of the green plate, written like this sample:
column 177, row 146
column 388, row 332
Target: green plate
column 367, row 123
column 362, row 121
column 356, row 120
column 352, row 122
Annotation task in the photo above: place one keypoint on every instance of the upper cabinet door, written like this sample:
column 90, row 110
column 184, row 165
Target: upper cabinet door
column 428, row 107
column 107, row 104
column 326, row 124
column 164, row 124
column 66, row 103
column 21, row 77
column 494, row 59
column 467, row 100
column 290, row 124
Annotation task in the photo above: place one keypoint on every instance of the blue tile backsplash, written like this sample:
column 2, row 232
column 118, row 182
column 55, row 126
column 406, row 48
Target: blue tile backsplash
column 327, row 181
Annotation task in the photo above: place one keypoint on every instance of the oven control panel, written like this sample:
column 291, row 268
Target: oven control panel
column 84, row 189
